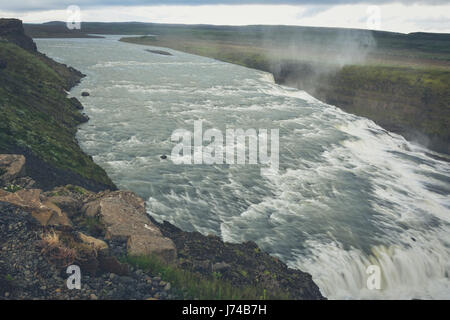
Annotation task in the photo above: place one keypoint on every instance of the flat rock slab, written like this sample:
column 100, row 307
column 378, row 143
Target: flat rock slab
column 124, row 216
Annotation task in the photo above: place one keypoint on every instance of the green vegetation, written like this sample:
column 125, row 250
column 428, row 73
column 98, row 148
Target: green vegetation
column 68, row 190
column 93, row 225
column 76, row 189
column 192, row 285
column 12, row 188
column 9, row 278
column 36, row 114
column 406, row 98
column 403, row 83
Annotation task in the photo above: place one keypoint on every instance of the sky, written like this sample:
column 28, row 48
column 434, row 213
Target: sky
column 398, row 16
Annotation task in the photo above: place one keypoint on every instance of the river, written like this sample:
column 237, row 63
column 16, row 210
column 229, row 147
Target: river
column 348, row 194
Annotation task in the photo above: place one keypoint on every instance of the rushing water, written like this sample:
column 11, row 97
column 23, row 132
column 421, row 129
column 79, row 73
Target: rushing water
column 348, row 193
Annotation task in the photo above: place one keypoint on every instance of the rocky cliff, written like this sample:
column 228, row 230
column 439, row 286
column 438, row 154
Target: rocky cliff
column 410, row 102
column 12, row 30
column 122, row 252
column 38, row 120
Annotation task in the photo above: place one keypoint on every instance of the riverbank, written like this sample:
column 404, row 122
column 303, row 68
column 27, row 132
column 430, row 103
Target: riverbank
column 57, row 209
column 406, row 95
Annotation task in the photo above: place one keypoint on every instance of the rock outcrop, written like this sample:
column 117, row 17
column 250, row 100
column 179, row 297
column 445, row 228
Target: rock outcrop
column 121, row 214
column 47, row 213
column 12, row 30
column 33, row 264
column 124, row 216
column 71, row 225
column 240, row 263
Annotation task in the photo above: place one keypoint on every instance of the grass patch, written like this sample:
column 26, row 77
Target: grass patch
column 192, row 285
column 77, row 189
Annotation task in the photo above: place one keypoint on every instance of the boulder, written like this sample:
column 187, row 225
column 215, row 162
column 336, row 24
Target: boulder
column 70, row 205
column 47, row 213
column 97, row 244
column 12, row 166
column 12, row 30
column 147, row 245
column 85, row 94
column 124, row 216
column 110, row 264
column 56, row 216
column 26, row 199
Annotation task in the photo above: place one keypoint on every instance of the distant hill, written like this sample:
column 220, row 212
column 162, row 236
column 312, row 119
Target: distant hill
column 420, row 45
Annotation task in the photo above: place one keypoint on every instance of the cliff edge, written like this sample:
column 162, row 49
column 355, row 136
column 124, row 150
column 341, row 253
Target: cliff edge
column 38, row 119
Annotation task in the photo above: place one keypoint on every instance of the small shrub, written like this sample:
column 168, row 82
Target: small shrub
column 9, row 278
column 55, row 251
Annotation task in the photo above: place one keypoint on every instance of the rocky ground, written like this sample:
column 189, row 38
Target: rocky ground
column 29, row 274
column 38, row 241
column 42, row 233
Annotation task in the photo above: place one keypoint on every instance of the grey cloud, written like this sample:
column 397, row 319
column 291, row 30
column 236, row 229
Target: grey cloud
column 32, row 5
column 313, row 11
column 430, row 23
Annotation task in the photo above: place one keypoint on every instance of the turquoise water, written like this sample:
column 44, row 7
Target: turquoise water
column 348, row 194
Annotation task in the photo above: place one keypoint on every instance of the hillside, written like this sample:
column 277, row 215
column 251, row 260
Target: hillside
column 38, row 120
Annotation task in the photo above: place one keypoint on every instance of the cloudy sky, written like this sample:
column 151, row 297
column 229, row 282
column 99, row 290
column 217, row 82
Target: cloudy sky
column 400, row 16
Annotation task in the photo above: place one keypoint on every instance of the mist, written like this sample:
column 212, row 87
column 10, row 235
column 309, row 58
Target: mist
column 305, row 57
